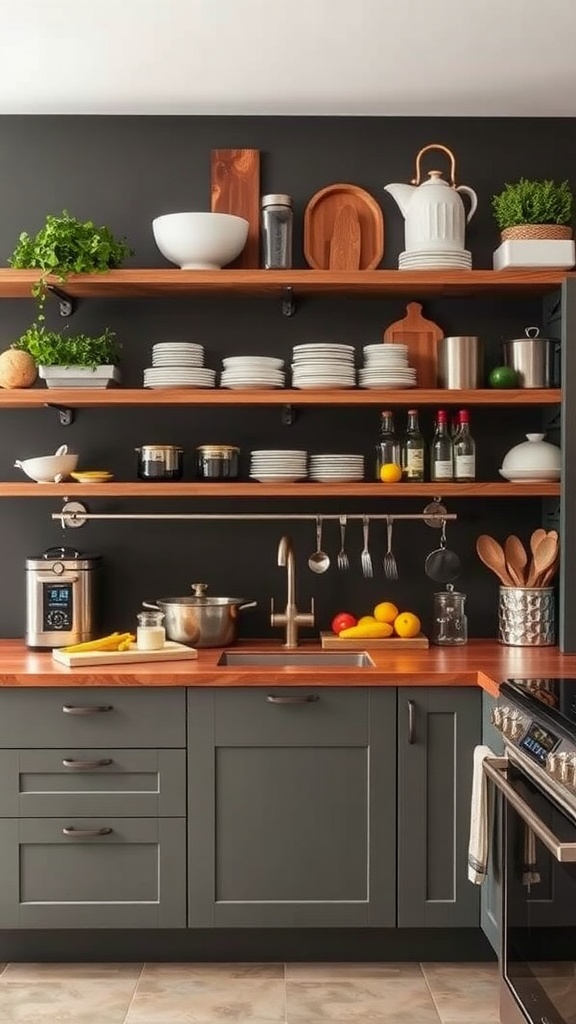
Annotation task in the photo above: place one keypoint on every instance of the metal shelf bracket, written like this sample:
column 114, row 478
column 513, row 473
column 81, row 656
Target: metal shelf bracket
column 289, row 415
column 65, row 415
column 287, row 303
column 66, row 304
column 73, row 515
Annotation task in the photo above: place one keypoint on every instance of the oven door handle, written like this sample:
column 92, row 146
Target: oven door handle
column 565, row 853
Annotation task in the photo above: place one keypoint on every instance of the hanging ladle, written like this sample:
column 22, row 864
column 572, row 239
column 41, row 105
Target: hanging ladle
column 442, row 565
column 319, row 560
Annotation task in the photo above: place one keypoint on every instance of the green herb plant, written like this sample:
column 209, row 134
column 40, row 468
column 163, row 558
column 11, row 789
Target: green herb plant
column 66, row 246
column 533, row 202
column 48, row 348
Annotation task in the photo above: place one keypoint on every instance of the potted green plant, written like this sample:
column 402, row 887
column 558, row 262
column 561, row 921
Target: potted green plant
column 529, row 209
column 67, row 246
column 72, row 361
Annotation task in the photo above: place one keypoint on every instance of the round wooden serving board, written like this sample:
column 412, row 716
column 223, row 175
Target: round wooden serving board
column 320, row 220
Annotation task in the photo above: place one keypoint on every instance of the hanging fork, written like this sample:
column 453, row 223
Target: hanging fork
column 342, row 557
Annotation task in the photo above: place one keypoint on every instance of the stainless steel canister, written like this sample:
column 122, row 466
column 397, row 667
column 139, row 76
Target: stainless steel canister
column 533, row 359
column 460, row 362
column 526, row 616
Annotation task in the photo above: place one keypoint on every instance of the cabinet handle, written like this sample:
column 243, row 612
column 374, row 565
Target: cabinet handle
column 86, row 709
column 84, row 765
column 411, row 722
column 307, row 698
column 85, row 833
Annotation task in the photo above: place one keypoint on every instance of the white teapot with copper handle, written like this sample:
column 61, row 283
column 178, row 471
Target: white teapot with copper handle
column 433, row 210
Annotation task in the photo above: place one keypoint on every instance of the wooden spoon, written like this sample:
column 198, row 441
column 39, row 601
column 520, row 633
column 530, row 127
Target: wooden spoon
column 544, row 557
column 516, row 559
column 550, row 573
column 490, row 552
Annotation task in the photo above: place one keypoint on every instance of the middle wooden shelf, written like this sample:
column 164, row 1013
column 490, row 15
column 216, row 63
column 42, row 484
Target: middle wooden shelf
column 303, row 489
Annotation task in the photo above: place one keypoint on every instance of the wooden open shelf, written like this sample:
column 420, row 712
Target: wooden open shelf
column 155, row 283
column 252, row 489
column 77, row 398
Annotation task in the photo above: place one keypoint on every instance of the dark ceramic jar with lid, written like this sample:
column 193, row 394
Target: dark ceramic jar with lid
column 160, row 462
column 217, row 462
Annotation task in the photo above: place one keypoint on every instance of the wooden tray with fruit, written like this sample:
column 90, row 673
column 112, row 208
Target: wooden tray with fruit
column 387, row 628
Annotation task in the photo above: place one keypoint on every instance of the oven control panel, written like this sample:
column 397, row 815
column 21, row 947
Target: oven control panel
column 555, row 756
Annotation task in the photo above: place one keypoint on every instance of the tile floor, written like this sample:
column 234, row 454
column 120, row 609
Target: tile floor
column 209, row 993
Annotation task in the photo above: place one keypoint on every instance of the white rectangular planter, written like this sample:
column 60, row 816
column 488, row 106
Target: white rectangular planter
column 79, row 376
column 559, row 254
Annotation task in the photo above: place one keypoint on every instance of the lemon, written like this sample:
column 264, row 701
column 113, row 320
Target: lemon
column 407, row 625
column 386, row 612
column 391, row 473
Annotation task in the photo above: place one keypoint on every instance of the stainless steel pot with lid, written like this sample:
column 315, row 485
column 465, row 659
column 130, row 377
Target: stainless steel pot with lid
column 200, row 619
column 533, row 358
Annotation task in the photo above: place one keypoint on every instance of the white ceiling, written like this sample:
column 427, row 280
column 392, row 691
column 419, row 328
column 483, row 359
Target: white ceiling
column 374, row 57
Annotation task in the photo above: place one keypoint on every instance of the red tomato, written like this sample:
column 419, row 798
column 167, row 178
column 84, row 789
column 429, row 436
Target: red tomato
column 343, row 620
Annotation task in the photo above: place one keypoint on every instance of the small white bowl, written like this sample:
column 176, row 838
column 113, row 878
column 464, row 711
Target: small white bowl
column 49, row 469
column 200, row 241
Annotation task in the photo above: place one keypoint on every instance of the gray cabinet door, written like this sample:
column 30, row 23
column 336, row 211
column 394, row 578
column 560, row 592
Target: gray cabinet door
column 292, row 807
column 438, row 728
column 133, row 876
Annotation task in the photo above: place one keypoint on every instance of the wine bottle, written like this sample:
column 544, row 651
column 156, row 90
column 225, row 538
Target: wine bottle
column 413, row 450
column 464, row 450
column 442, row 450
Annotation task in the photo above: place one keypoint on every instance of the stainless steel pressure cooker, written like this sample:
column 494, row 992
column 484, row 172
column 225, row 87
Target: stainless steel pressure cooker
column 61, row 593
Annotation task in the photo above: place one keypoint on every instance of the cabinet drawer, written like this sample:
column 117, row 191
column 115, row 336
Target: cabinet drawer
column 92, row 717
column 131, row 783
column 258, row 716
column 132, row 876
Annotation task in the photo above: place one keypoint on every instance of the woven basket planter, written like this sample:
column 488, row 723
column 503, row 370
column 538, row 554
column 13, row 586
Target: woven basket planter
column 536, row 231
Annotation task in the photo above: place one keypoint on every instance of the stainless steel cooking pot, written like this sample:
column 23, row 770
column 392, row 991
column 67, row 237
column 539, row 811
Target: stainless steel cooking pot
column 201, row 620
column 533, row 358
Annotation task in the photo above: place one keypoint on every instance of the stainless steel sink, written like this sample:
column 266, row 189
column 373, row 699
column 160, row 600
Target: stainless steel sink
column 297, row 659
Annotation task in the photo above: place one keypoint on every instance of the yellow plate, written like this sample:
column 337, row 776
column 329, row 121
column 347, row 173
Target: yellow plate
column 92, row 477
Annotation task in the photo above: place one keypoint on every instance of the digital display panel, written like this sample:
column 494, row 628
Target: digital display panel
column 57, row 606
column 538, row 742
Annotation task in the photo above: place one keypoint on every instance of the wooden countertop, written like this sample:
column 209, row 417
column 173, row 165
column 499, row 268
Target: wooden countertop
column 481, row 662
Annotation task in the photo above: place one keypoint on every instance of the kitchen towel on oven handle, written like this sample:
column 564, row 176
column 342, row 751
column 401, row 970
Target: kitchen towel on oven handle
column 479, row 838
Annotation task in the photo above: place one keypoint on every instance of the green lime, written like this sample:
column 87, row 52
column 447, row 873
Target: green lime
column 503, row 377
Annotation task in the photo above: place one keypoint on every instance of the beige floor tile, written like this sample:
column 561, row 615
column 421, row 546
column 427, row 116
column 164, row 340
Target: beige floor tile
column 65, row 1002
column 219, row 971
column 181, row 999
column 2, row 969
column 350, row 971
column 366, row 1001
column 464, row 992
column 72, row 972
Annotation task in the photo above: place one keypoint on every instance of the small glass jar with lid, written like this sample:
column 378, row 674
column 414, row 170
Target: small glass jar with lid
column 217, row 462
column 150, row 634
column 450, row 627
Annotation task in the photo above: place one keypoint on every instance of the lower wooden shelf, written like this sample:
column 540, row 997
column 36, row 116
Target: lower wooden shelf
column 303, row 489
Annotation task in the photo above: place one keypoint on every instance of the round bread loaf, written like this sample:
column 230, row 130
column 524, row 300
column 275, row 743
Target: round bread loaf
column 17, row 369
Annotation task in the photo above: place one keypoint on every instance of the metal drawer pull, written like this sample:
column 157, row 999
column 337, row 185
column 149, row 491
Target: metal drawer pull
column 86, row 709
column 85, row 833
column 84, row 765
column 411, row 722
column 562, row 852
column 307, row 698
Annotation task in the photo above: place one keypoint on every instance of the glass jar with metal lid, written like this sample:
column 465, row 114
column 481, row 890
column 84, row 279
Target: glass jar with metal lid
column 160, row 462
column 217, row 462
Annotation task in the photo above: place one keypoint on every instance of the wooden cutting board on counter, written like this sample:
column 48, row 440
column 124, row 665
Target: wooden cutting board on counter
column 422, row 337
column 170, row 652
column 331, row 642
column 235, row 188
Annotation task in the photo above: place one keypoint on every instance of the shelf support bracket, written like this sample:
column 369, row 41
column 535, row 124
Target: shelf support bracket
column 288, row 415
column 67, row 304
column 65, row 415
column 73, row 514
column 287, row 303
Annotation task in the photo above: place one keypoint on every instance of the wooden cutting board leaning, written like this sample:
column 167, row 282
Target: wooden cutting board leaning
column 343, row 229
column 422, row 337
column 235, row 188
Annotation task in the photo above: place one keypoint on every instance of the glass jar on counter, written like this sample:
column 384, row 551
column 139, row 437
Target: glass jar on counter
column 150, row 634
column 217, row 462
column 450, row 627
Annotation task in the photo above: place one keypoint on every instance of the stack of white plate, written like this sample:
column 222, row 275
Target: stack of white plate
column 278, row 465
column 336, row 468
column 436, row 259
column 386, row 366
column 258, row 372
column 323, row 365
column 178, row 364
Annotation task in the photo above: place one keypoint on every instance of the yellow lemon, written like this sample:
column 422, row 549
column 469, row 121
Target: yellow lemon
column 407, row 625
column 391, row 473
column 365, row 619
column 386, row 612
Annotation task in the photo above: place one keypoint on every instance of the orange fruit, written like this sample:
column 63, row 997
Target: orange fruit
column 386, row 612
column 390, row 473
column 407, row 625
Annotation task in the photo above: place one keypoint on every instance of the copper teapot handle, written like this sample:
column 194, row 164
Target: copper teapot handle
column 436, row 145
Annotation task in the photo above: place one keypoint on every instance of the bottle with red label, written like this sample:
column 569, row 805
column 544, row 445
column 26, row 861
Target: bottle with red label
column 442, row 450
column 464, row 450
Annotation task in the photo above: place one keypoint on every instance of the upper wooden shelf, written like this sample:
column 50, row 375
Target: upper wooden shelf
column 76, row 398
column 303, row 489
column 136, row 283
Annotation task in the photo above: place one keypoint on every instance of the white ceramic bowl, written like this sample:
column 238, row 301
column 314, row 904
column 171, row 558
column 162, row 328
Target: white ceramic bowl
column 200, row 241
column 533, row 455
column 48, row 469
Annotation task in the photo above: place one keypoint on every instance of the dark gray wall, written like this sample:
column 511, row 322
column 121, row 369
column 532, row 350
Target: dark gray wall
column 123, row 171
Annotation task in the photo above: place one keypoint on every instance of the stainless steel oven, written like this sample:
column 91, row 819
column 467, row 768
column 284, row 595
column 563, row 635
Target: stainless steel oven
column 537, row 783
